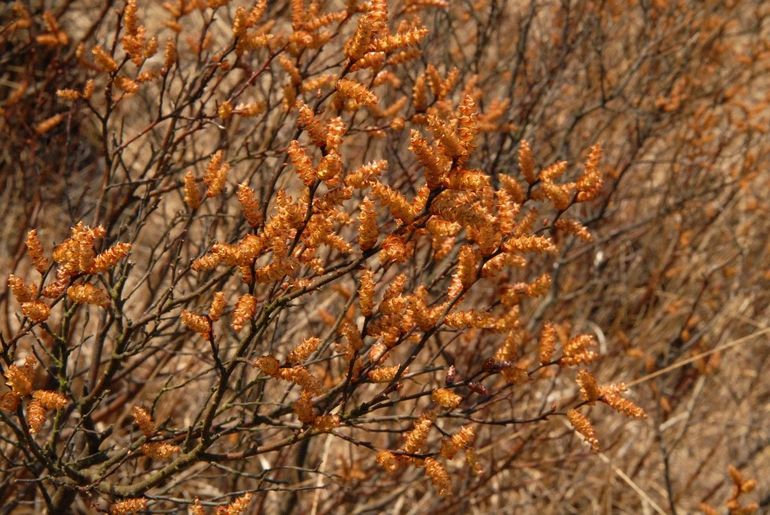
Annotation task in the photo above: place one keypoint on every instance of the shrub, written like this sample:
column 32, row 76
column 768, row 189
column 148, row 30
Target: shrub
column 304, row 256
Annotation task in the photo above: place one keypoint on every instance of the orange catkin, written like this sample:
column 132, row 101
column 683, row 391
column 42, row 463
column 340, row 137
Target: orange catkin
column 19, row 378
column 583, row 426
column 197, row 323
column 446, row 398
column 110, row 257
column 387, row 460
column 244, row 310
column 302, row 163
column 104, row 60
column 415, row 439
column 366, row 293
column 37, row 311
column 50, row 400
column 303, row 351
column 21, row 292
column 35, row 251
column 49, row 123
column 143, row 420
column 127, row 506
column 250, row 205
column 218, row 304
column 547, row 343
column 88, row 294
column 356, row 91
column 610, row 395
column 216, row 174
column 368, row 232
column 438, row 476
column 35, row 416
column 191, row 194
column 383, row 374
column 268, row 365
column 526, row 162
column 589, row 389
column 160, row 450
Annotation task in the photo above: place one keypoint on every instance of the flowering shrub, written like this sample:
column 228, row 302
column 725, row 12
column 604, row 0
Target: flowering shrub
column 311, row 255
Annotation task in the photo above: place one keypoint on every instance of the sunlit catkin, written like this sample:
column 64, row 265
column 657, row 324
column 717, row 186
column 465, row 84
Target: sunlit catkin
column 128, row 506
column 326, row 423
column 583, row 426
column 302, row 163
column 169, row 54
column 67, row 94
column 308, row 121
column 335, row 133
column 435, row 167
column 160, row 450
column 110, row 257
column 244, row 310
column 370, row 60
column 192, row 196
column 303, row 351
column 36, row 252
column 197, row 323
column 467, row 126
column 451, row 144
column 365, row 174
column 368, row 232
column 395, row 249
column 88, row 294
column 19, row 378
column 446, row 398
column 50, row 400
column 415, row 439
column 196, row 508
column 388, row 461
column 398, row 205
column 49, row 123
column 573, row 227
column 590, row 183
column 366, row 293
column 268, row 365
column 35, row 416
column 216, row 174
column 104, row 60
column 526, row 162
column 302, row 377
column 610, row 395
column 21, row 292
column 303, row 408
column 467, row 264
column 37, row 311
column 383, row 374
column 579, row 350
column 463, row 439
column 143, row 420
column 330, row 166
column 547, row 343
column 356, row 91
column 589, row 389
column 404, row 39
column 357, row 45
column 218, row 304
column 438, row 476
column 250, row 205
